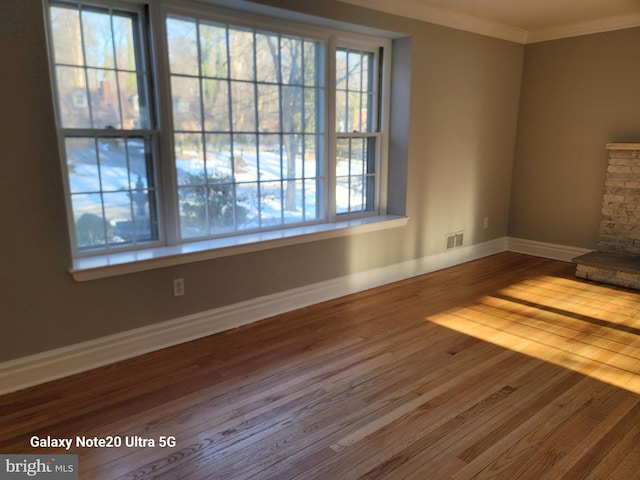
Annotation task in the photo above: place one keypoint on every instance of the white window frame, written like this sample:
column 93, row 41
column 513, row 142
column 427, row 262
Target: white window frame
column 170, row 249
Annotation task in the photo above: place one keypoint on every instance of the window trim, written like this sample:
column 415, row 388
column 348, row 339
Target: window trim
column 132, row 261
column 169, row 249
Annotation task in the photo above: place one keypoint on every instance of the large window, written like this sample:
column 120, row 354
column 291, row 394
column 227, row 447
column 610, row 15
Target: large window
column 178, row 126
column 247, row 127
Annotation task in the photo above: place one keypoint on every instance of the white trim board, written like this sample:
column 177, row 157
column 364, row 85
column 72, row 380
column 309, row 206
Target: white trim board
column 50, row 365
column 546, row 250
column 449, row 18
column 46, row 366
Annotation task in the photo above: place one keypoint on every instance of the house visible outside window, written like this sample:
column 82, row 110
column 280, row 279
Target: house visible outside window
column 187, row 125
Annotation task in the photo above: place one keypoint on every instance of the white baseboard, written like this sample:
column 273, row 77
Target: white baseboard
column 43, row 367
column 50, row 365
column 546, row 250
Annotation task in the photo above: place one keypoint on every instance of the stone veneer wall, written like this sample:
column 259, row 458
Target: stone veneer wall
column 620, row 225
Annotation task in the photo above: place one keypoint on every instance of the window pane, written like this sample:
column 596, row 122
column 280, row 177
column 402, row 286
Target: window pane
column 313, row 73
column 342, row 195
column 216, row 105
column 82, row 165
column 291, row 61
column 114, row 169
column 118, row 213
column 133, row 101
column 292, row 109
column 245, row 162
column 341, row 69
column 186, row 103
column 243, row 107
column 221, row 208
column 67, row 41
column 269, row 108
column 271, row 203
column 343, row 154
column 270, row 157
column 341, row 112
column 183, row 46
column 89, row 221
column 294, row 201
column 370, row 192
column 124, row 43
column 72, row 97
column 213, row 51
column 140, row 163
column 354, row 112
column 293, row 156
column 241, row 54
column 354, row 71
column 247, row 206
column 189, row 154
column 267, row 58
column 98, row 42
column 143, row 227
column 356, row 199
column 312, row 119
column 219, row 164
column 105, row 105
column 193, row 211
column 356, row 164
column 310, row 157
column 312, row 193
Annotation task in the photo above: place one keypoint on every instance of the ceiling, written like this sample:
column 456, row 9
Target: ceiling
column 523, row 21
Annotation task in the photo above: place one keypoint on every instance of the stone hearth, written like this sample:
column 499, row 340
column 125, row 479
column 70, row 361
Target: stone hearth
column 617, row 261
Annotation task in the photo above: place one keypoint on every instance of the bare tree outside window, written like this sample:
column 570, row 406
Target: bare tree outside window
column 248, row 114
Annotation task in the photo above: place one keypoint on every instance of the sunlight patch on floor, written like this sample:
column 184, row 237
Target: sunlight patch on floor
column 590, row 329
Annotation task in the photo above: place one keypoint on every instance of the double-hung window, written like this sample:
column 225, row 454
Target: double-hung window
column 195, row 124
column 106, row 125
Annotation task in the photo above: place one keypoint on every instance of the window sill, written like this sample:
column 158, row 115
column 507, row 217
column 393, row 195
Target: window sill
column 122, row 263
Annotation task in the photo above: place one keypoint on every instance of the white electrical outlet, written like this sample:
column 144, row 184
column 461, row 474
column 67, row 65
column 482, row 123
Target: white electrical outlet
column 486, row 222
column 178, row 287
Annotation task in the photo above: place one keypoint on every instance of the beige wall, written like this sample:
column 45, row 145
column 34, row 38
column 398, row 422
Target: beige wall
column 577, row 95
column 461, row 131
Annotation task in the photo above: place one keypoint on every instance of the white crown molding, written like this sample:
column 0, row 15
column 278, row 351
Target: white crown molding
column 585, row 28
column 440, row 16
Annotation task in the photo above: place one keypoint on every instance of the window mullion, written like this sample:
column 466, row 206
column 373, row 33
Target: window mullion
column 330, row 137
column 85, row 68
column 207, row 206
column 164, row 150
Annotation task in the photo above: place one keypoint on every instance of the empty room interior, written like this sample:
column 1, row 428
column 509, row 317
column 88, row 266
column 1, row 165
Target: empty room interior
column 284, row 239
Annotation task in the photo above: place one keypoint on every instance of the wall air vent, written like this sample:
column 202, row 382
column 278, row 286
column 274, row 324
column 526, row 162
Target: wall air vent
column 453, row 240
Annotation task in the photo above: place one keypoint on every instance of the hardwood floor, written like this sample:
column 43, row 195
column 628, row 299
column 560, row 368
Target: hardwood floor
column 503, row 368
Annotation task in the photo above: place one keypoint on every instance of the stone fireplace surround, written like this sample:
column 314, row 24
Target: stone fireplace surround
column 617, row 260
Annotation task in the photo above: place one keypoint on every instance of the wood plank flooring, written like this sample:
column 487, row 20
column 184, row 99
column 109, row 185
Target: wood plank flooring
column 503, row 368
